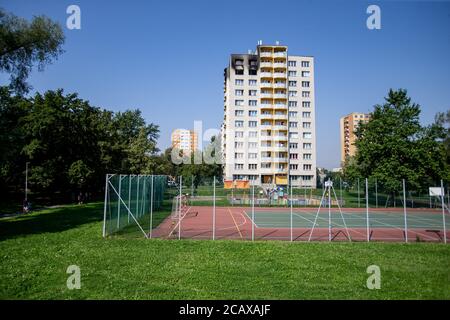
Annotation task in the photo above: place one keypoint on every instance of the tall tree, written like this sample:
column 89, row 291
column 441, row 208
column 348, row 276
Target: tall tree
column 24, row 43
column 393, row 146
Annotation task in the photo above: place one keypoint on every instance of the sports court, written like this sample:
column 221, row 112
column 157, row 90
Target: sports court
column 200, row 222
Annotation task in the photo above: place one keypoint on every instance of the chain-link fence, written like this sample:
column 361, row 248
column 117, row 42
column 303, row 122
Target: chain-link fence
column 191, row 207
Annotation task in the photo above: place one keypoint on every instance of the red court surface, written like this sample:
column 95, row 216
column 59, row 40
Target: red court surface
column 274, row 223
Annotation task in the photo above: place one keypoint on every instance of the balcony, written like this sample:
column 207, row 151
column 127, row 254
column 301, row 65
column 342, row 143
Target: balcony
column 266, row 95
column 266, row 74
column 266, row 159
column 279, row 74
column 280, row 127
column 266, row 84
column 265, row 64
column 280, row 85
column 279, row 117
column 279, row 96
column 267, row 54
column 280, row 138
column 280, row 106
column 280, row 159
column 280, row 54
column 279, row 64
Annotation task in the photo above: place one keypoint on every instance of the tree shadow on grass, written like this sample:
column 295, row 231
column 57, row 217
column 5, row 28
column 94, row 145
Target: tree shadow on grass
column 50, row 220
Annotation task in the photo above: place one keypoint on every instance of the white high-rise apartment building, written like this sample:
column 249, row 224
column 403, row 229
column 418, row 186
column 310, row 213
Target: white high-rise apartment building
column 268, row 132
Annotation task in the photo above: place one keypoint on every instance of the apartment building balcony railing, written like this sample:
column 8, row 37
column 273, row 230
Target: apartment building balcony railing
column 279, row 127
column 280, row 138
column 279, row 96
column 265, row 95
column 265, row 64
column 279, row 117
column 279, row 74
column 266, row 74
column 266, row 85
column 279, row 64
column 279, row 159
column 266, row 159
column 280, row 106
column 280, row 85
column 265, row 54
column 280, row 54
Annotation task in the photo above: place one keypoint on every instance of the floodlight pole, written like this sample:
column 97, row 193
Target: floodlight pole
column 214, row 210
column 340, row 188
column 443, row 210
column 367, row 211
column 179, row 213
column 404, row 211
column 151, row 207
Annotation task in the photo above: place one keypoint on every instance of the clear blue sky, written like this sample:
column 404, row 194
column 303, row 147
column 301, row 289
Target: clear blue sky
column 167, row 57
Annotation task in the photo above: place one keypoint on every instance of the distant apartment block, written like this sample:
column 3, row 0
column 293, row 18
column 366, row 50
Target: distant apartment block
column 268, row 130
column 185, row 140
column 348, row 125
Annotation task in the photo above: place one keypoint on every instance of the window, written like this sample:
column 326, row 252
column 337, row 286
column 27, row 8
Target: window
column 239, row 82
column 292, row 73
column 307, row 167
column 292, row 93
column 307, row 135
column 305, row 94
column 252, row 166
column 292, row 63
column 305, row 64
column 306, row 104
column 292, row 124
column 252, row 103
column 238, row 102
column 253, row 113
column 239, row 92
column 293, row 156
column 239, row 134
column 293, row 166
column 307, row 156
column 266, row 165
column 305, row 84
column 306, row 125
column 238, row 145
column 307, row 146
column 238, row 166
column 239, row 113
column 292, row 103
column 239, row 123
column 292, row 83
column 238, row 155
column 293, row 145
column 252, row 145
column 252, row 82
column 306, row 114
column 252, row 155
column 253, row 124
column 292, row 114
column 253, row 134
column 305, row 74
column 252, row 92
column 293, row 135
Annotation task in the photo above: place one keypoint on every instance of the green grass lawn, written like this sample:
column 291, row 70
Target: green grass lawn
column 36, row 250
